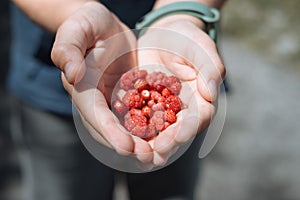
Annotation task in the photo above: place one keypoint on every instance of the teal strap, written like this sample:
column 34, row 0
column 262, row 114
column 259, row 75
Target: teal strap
column 209, row 16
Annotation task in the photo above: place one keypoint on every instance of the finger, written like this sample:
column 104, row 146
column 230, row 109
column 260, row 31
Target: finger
column 189, row 122
column 91, row 103
column 69, row 49
column 165, row 141
column 161, row 159
column 211, row 68
column 194, row 119
column 166, row 52
column 142, row 150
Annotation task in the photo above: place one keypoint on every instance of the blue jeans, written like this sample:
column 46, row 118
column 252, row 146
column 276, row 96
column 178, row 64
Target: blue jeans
column 56, row 166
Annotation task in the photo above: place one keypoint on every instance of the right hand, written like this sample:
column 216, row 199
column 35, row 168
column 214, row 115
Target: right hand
column 83, row 56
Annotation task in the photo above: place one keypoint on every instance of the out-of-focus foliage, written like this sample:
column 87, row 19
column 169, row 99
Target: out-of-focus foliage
column 270, row 26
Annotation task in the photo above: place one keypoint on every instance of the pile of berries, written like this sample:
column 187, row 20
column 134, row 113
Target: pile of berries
column 150, row 103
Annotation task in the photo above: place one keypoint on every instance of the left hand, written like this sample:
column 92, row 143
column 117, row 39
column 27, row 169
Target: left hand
column 190, row 54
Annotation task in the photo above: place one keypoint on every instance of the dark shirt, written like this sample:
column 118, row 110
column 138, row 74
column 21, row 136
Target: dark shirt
column 32, row 77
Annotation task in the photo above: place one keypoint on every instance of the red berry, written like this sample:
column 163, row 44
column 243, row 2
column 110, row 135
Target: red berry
column 150, row 103
column 141, row 74
column 170, row 116
column 152, row 100
column 136, row 123
column 132, row 99
column 166, row 92
column 160, row 106
column 173, row 83
column 145, row 94
column 158, row 120
column 128, row 79
column 156, row 96
column 146, row 111
column 141, row 84
column 158, row 87
column 151, row 129
column 173, row 103
column 120, row 107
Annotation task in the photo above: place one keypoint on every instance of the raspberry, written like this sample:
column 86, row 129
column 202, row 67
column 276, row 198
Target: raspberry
column 141, row 84
column 132, row 99
column 170, row 116
column 173, row 103
column 119, row 107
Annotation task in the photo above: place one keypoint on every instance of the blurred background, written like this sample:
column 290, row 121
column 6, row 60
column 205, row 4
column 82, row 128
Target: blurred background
column 9, row 171
column 257, row 155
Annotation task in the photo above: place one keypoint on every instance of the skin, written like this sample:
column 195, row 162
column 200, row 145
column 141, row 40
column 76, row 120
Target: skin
column 72, row 53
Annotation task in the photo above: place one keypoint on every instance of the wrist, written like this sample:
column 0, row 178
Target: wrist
column 211, row 3
column 193, row 12
column 169, row 20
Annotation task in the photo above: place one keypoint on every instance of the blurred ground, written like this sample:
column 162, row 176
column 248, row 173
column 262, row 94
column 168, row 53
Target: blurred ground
column 257, row 155
column 270, row 27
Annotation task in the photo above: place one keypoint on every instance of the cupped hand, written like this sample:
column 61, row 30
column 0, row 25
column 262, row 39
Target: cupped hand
column 89, row 45
column 190, row 54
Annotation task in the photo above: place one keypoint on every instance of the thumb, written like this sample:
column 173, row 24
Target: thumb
column 68, row 52
column 211, row 73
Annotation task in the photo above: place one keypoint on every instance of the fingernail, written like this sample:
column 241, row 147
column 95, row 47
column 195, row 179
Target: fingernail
column 212, row 89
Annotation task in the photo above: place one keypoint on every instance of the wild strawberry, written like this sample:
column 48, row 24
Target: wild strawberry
column 158, row 87
column 132, row 99
column 141, row 84
column 170, row 116
column 146, row 111
column 160, row 106
column 173, row 83
column 155, row 78
column 126, row 81
column 173, row 103
column 141, row 74
column 156, row 96
column 119, row 107
column 166, row 92
column 151, row 132
column 145, row 94
column 135, row 122
column 150, row 103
